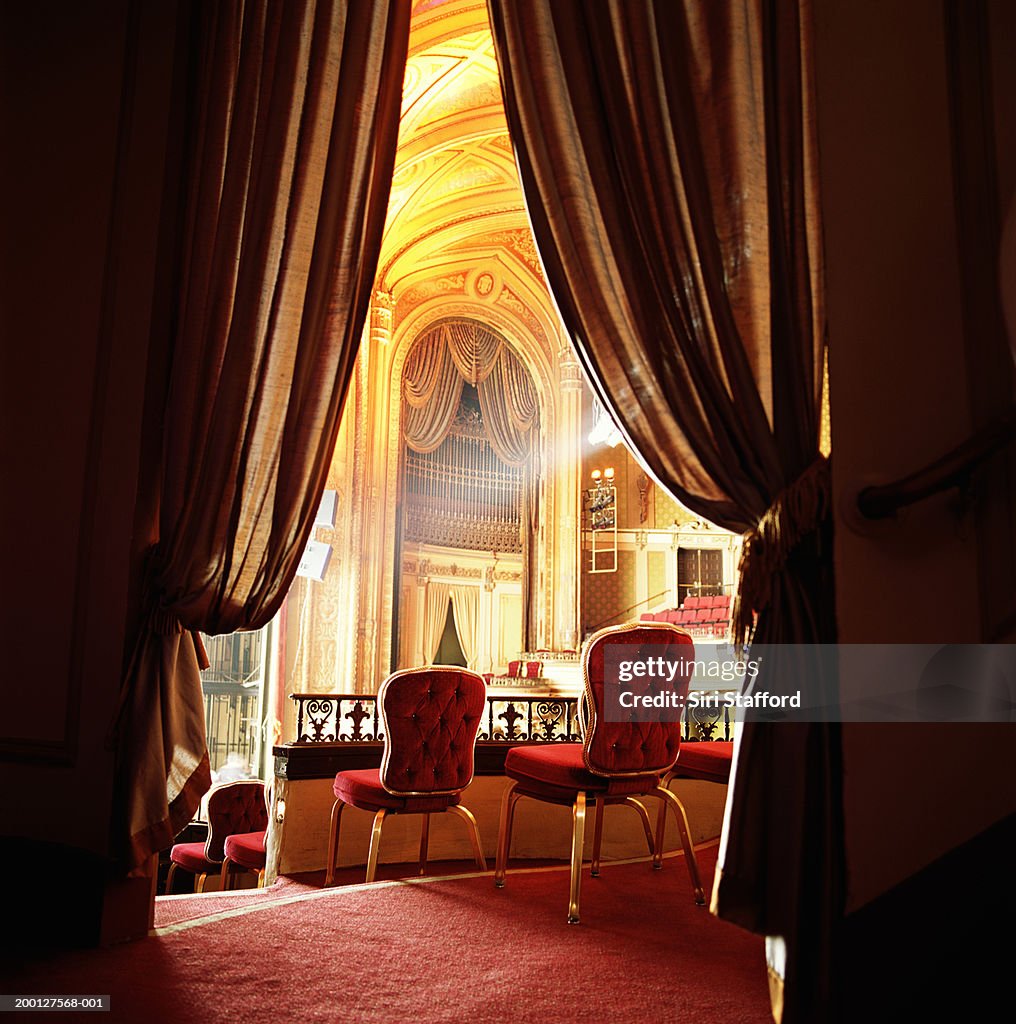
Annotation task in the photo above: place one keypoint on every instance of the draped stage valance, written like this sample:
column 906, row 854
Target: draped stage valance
column 454, row 353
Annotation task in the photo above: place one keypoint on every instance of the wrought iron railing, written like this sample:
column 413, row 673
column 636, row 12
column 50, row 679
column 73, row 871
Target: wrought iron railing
column 354, row 718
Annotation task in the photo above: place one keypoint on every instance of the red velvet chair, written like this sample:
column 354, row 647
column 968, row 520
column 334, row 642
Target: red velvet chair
column 430, row 718
column 236, row 807
column 709, row 760
column 616, row 762
column 245, row 851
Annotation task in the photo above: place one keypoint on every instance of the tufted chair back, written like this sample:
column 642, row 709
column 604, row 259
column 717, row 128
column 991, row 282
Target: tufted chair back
column 234, row 808
column 431, row 717
column 634, row 747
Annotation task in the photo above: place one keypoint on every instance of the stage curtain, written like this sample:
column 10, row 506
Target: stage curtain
column 509, row 409
column 474, row 348
column 466, row 611
column 667, row 155
column 291, row 144
column 432, row 389
column 435, row 615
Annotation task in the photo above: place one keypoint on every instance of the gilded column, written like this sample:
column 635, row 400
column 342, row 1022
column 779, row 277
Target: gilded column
column 568, row 481
column 373, row 487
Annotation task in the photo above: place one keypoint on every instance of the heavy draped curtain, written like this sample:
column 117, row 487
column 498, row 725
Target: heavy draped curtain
column 667, row 155
column 435, row 615
column 445, row 357
column 466, row 611
column 441, row 359
column 291, row 144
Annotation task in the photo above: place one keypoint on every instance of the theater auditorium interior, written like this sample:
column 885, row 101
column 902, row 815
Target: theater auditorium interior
column 374, row 371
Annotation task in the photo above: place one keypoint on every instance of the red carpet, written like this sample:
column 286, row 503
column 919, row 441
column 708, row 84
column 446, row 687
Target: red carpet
column 442, row 951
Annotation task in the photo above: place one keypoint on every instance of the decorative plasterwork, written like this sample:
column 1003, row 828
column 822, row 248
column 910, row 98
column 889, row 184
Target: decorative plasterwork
column 521, row 244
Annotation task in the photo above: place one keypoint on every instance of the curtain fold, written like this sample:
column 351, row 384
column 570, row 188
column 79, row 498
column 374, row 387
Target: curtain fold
column 435, row 615
column 432, row 389
column 509, row 409
column 667, row 155
column 466, row 613
column 295, row 112
column 473, row 348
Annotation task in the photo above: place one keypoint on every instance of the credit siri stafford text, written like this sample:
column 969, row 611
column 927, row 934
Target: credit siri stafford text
column 648, row 673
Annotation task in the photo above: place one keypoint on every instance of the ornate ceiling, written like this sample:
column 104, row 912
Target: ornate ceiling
column 456, row 218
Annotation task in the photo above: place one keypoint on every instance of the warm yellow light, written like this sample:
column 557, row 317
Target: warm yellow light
column 596, row 475
column 609, row 472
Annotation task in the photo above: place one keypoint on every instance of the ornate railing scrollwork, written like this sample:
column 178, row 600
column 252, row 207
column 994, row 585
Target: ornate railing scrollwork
column 354, row 718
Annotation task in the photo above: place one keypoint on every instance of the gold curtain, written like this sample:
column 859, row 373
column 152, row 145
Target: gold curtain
column 509, row 409
column 458, row 351
column 294, row 125
column 432, row 389
column 474, row 348
column 435, row 615
column 667, row 154
column 466, row 613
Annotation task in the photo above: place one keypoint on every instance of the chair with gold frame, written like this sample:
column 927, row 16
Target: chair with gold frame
column 235, row 807
column 430, row 718
column 617, row 761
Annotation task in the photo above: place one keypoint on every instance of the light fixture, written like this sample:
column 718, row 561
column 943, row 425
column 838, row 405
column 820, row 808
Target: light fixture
column 604, row 431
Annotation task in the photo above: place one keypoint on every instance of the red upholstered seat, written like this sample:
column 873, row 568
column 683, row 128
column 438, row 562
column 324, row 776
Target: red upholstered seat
column 554, row 772
column 247, row 849
column 691, row 602
column 533, row 669
column 647, row 617
column 362, row 788
column 191, row 857
column 621, row 757
column 514, row 669
column 232, row 808
column 707, row 760
column 430, row 718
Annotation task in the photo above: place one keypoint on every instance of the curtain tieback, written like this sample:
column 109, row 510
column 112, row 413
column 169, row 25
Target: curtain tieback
column 162, row 621
column 165, row 623
column 795, row 512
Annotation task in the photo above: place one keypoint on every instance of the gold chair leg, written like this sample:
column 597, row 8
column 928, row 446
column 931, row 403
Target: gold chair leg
column 261, row 878
column 689, row 852
column 578, row 839
column 504, row 832
column 661, row 824
column 375, row 844
column 225, row 877
column 594, row 869
column 169, row 879
column 199, row 882
column 333, row 840
column 647, row 827
column 474, row 833
column 424, row 840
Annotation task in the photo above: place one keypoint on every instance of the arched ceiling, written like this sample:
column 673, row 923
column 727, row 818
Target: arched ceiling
column 456, row 205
